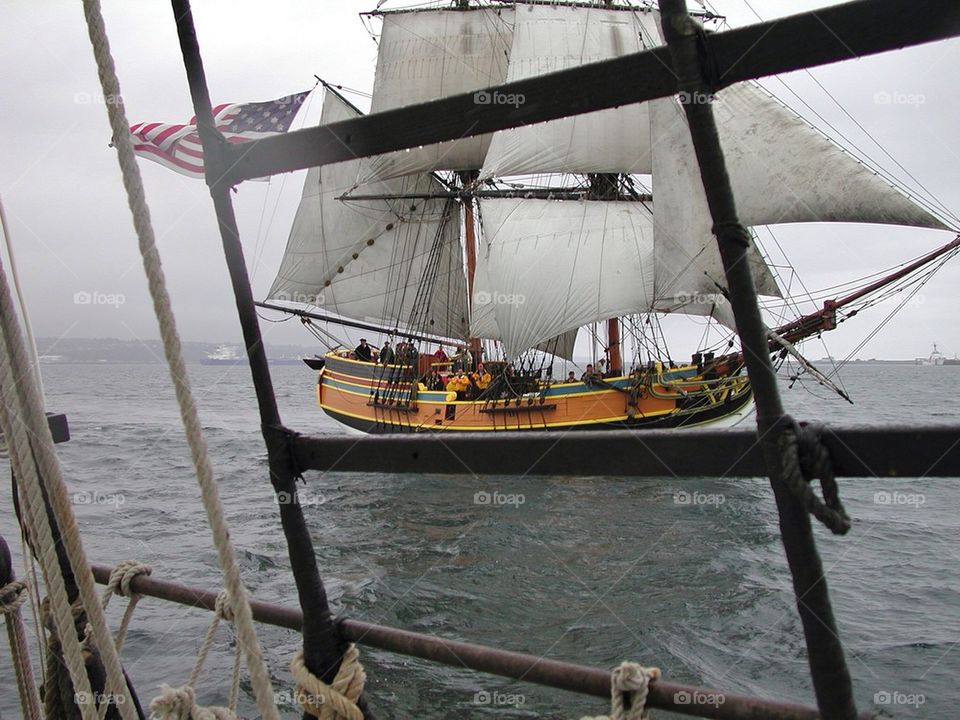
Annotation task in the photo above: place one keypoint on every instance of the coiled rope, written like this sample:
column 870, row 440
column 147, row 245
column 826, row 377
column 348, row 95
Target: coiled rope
column 337, row 701
column 133, row 184
column 629, row 687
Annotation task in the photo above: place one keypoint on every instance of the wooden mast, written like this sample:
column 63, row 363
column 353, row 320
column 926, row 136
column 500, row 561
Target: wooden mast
column 606, row 186
column 615, row 364
column 467, row 178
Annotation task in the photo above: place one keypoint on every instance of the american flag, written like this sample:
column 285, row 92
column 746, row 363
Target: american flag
column 178, row 147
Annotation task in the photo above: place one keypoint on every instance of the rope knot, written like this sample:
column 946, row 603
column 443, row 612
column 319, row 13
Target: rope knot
column 123, row 574
column 805, row 458
column 337, row 701
column 172, row 703
column 180, row 704
column 629, row 687
column 12, row 597
column 224, row 606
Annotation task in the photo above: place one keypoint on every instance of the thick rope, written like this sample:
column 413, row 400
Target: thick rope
column 337, row 701
column 629, row 686
column 119, row 584
column 805, row 457
column 246, row 632
column 178, row 703
column 12, row 597
column 36, row 469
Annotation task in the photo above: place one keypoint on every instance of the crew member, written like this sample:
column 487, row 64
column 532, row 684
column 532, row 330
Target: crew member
column 386, row 353
column 363, row 351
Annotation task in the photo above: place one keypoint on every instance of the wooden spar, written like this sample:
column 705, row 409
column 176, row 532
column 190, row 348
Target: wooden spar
column 351, row 323
column 826, row 318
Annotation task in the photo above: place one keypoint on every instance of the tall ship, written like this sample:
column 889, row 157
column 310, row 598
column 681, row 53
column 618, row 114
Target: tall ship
column 485, row 258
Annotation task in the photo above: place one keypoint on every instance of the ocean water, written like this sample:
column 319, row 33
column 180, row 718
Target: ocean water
column 593, row 570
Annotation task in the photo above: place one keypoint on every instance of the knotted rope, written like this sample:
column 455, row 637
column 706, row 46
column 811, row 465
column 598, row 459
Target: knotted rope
column 629, row 686
column 12, row 597
column 119, row 584
column 805, row 457
column 133, row 184
column 177, row 703
column 337, row 701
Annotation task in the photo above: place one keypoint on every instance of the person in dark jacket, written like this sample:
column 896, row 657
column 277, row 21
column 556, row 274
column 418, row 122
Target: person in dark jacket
column 363, row 351
column 386, row 354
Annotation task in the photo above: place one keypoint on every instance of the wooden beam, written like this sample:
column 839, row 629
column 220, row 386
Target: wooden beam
column 882, row 452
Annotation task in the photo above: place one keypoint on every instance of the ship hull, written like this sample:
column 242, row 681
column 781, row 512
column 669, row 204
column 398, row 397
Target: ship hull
column 350, row 392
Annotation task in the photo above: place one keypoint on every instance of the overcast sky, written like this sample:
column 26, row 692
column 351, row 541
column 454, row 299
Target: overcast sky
column 72, row 232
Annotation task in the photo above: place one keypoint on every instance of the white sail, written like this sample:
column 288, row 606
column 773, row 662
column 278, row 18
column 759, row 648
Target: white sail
column 433, row 54
column 548, row 38
column 781, row 170
column 548, row 267
column 688, row 259
column 374, row 259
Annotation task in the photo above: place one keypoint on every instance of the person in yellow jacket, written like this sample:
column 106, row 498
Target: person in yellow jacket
column 481, row 378
column 459, row 384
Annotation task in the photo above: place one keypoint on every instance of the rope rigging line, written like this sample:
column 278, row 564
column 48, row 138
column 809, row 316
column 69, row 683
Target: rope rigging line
column 247, row 637
column 13, row 594
column 37, row 472
column 179, row 703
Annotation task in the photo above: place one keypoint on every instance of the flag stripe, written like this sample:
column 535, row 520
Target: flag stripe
column 178, row 146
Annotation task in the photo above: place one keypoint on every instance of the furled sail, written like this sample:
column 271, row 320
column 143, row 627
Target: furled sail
column 386, row 261
column 548, row 38
column 426, row 55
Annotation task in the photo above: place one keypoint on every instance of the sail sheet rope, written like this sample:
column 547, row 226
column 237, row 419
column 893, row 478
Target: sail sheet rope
column 133, row 184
